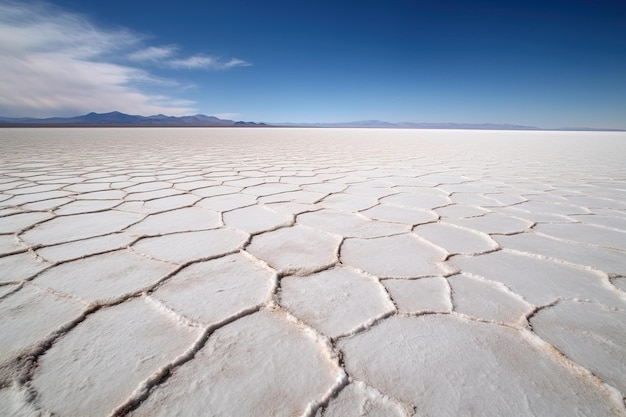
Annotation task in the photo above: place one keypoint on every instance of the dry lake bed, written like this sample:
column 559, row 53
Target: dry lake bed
column 312, row 272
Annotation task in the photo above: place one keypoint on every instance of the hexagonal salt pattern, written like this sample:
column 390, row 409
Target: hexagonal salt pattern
column 424, row 295
column 603, row 259
column 182, row 220
column 81, row 248
column 313, row 272
column 394, row 256
column 79, row 226
column 386, row 212
column 487, row 300
column 540, row 281
column 188, row 246
column 29, row 316
column 17, row 222
column 213, row 291
column 236, row 372
column 105, row 277
column 357, row 399
column 336, row 301
column 450, row 366
column 296, row 250
column 586, row 234
column 420, row 200
column 454, row 239
column 94, row 358
column 10, row 244
column 256, row 219
column 494, row 223
column 349, row 225
column 20, row 266
column 573, row 329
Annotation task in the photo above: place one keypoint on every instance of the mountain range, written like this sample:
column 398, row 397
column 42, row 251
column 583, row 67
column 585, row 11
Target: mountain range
column 410, row 125
column 120, row 119
column 200, row 120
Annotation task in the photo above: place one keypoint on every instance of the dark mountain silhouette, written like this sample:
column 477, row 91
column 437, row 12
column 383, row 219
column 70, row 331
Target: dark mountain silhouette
column 116, row 118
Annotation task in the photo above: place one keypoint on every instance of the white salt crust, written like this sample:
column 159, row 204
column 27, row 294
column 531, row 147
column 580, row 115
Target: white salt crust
column 312, row 272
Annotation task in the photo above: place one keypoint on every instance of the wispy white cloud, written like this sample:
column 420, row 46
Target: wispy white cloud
column 206, row 62
column 234, row 62
column 38, row 27
column 166, row 56
column 58, row 63
column 153, row 53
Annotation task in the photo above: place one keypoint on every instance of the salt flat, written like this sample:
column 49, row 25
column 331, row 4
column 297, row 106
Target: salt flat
column 317, row 272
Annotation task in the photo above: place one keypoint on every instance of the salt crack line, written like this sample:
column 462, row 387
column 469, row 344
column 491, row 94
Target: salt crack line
column 18, row 286
column 159, row 376
column 555, row 354
column 328, row 349
column 363, row 327
column 15, row 252
column 604, row 276
column 584, row 244
column 554, row 302
column 60, row 294
column 172, row 314
column 498, row 284
column 453, row 313
column 27, row 363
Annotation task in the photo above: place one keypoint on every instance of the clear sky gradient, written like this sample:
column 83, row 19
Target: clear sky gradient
column 542, row 63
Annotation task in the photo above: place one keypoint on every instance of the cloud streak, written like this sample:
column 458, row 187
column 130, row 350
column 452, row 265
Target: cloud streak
column 57, row 63
column 206, row 62
column 166, row 56
column 153, row 54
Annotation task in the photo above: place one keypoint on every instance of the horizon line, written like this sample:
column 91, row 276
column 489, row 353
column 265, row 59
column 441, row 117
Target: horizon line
column 362, row 123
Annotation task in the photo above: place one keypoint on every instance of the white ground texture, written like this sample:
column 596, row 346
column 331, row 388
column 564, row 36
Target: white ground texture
column 312, row 272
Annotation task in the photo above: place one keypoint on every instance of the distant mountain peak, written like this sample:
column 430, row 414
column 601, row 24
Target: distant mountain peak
column 116, row 118
column 410, row 125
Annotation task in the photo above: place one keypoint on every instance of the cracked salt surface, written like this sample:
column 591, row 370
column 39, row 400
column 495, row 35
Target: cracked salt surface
column 189, row 246
column 573, row 329
column 357, row 399
column 104, row 277
column 21, row 266
column 423, row 295
column 296, row 250
column 456, row 240
column 29, row 316
column 336, row 301
column 496, row 304
column 113, row 352
column 260, row 364
column 312, row 272
column 540, row 281
column 211, row 291
column 393, row 256
column 450, row 366
column 349, row 225
column 79, row 226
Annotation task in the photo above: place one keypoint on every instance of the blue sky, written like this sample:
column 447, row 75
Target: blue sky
column 543, row 63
